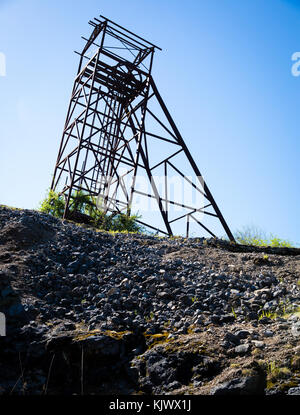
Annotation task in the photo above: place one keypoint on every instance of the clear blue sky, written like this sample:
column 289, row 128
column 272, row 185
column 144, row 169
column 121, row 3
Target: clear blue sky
column 225, row 74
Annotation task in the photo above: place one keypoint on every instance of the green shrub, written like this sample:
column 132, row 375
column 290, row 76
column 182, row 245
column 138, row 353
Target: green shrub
column 53, row 204
column 251, row 235
column 123, row 222
column 81, row 202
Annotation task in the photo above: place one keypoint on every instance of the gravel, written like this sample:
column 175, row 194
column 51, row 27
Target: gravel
column 61, row 271
column 123, row 280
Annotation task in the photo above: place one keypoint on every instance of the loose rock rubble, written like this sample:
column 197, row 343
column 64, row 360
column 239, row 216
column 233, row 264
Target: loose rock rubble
column 94, row 312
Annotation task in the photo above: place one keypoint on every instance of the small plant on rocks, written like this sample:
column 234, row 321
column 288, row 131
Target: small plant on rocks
column 83, row 203
column 275, row 373
column 53, row 204
column 251, row 235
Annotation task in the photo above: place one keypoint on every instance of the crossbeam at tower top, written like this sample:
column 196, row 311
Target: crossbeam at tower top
column 115, row 41
column 127, row 31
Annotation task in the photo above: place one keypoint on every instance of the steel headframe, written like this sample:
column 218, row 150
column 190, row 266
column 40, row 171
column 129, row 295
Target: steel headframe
column 106, row 128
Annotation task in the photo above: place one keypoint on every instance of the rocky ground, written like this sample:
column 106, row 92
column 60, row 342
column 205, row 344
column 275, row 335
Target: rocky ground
column 97, row 313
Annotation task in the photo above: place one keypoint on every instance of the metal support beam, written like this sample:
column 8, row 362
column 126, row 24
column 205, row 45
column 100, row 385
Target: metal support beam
column 117, row 123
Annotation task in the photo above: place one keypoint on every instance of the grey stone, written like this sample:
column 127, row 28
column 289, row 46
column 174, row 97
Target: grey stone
column 258, row 344
column 231, row 338
column 268, row 333
column 242, row 334
column 242, row 349
column 295, row 329
column 294, row 391
column 252, row 385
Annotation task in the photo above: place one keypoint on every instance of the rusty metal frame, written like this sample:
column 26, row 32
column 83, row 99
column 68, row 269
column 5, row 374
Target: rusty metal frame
column 105, row 128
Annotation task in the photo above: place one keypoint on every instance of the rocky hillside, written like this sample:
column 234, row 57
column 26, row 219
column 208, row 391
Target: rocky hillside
column 97, row 313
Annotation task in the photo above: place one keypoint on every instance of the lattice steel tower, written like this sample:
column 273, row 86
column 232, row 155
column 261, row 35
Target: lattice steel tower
column 118, row 129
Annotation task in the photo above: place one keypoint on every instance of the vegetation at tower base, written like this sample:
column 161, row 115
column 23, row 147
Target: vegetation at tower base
column 83, row 208
column 91, row 312
column 251, row 235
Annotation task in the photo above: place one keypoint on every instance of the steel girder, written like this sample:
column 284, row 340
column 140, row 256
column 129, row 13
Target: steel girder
column 115, row 123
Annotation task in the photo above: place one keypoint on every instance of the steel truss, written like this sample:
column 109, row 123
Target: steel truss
column 115, row 115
